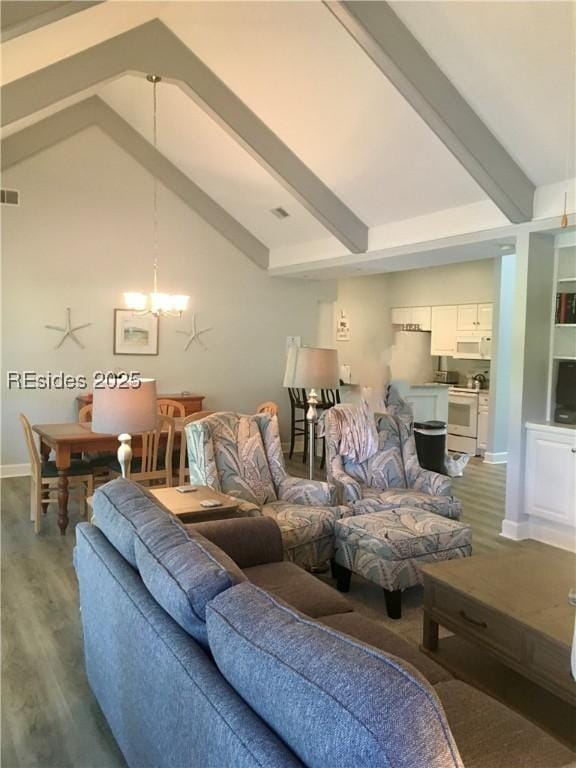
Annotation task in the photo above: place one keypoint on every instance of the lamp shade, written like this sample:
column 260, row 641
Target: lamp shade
column 130, row 410
column 312, row 368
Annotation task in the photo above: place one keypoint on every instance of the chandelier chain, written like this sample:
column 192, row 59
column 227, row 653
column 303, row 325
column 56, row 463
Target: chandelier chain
column 155, row 243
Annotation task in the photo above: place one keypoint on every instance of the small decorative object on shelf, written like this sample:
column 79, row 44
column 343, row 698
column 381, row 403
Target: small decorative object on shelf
column 193, row 334
column 68, row 331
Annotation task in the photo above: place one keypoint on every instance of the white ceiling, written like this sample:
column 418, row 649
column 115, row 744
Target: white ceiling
column 213, row 159
column 303, row 75
column 515, row 63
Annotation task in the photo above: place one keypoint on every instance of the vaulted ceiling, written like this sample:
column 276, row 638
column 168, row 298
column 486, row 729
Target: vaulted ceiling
column 354, row 156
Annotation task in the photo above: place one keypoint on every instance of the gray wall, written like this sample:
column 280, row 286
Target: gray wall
column 502, row 332
column 83, row 235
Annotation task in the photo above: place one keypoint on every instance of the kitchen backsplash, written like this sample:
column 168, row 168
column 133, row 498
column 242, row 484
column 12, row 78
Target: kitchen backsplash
column 465, row 368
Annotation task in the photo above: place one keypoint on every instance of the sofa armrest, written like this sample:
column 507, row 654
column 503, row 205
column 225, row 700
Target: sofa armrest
column 248, row 541
column 311, row 492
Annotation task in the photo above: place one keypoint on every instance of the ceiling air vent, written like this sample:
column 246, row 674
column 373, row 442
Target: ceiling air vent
column 9, row 197
column 280, row 213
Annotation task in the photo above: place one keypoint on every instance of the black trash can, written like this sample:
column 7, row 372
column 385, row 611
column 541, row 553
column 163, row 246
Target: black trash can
column 430, row 437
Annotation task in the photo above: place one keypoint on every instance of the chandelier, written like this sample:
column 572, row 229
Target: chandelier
column 155, row 302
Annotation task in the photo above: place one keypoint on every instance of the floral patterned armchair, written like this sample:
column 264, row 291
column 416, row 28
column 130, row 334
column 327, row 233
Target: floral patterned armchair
column 242, row 456
column 392, row 477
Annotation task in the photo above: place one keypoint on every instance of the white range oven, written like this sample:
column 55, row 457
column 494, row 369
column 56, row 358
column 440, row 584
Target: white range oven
column 462, row 420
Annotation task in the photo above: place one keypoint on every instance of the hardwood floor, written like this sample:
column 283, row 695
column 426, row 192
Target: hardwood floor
column 50, row 718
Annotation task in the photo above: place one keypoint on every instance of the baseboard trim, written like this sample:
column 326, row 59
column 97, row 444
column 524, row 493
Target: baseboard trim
column 515, row 531
column 564, row 538
column 14, row 470
column 496, row 458
column 539, row 530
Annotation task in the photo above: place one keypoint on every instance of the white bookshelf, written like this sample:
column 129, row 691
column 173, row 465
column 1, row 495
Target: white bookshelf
column 562, row 335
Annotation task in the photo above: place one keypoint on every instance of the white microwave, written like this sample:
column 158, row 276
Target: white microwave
column 473, row 346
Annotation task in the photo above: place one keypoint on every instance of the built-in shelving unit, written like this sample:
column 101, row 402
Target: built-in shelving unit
column 563, row 335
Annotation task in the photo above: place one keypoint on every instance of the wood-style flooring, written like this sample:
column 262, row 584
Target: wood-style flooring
column 50, row 718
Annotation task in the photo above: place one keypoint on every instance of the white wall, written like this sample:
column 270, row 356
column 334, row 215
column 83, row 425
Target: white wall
column 83, row 235
column 464, row 283
column 365, row 301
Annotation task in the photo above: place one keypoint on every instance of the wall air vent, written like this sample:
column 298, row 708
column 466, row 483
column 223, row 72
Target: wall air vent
column 280, row 213
column 9, row 197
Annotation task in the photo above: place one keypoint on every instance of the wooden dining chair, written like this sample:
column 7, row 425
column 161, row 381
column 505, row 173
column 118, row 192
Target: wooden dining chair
column 44, row 478
column 98, row 460
column 172, row 408
column 85, row 413
column 155, row 460
column 183, row 471
column 268, row 407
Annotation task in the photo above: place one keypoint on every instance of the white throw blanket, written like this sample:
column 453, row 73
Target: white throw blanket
column 357, row 429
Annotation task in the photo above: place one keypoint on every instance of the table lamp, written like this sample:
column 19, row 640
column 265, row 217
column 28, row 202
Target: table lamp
column 121, row 411
column 311, row 368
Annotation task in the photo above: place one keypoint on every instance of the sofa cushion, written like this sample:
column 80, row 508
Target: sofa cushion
column 298, row 588
column 489, row 735
column 183, row 571
column 375, row 633
column 120, row 508
column 342, row 703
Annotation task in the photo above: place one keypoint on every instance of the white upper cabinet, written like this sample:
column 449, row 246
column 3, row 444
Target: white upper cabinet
column 485, row 317
column 422, row 316
column 467, row 317
column 475, row 317
column 412, row 316
column 444, row 329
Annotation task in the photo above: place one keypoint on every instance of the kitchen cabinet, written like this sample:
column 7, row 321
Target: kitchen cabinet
column 467, row 317
column 411, row 316
column 444, row 327
column 551, row 474
column 485, row 317
column 474, row 317
column 422, row 316
column 483, row 420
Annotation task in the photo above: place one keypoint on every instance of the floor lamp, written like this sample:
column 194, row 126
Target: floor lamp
column 311, row 368
column 119, row 411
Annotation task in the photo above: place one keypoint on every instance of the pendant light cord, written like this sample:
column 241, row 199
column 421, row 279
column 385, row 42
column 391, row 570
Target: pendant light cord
column 155, row 244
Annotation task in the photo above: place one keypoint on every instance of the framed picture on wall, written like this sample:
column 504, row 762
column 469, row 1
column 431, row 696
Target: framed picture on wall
column 135, row 334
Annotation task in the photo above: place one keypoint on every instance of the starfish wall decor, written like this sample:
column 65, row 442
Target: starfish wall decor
column 68, row 331
column 193, row 334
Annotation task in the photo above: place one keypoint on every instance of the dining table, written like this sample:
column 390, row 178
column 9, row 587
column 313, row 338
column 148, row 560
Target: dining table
column 69, row 438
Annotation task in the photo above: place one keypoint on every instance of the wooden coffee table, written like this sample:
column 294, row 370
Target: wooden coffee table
column 188, row 508
column 514, row 605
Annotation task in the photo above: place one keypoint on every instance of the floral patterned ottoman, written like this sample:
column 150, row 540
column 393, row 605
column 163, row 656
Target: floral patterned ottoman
column 387, row 548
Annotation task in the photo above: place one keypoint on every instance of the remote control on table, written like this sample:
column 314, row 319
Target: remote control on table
column 210, row 503
column 186, row 488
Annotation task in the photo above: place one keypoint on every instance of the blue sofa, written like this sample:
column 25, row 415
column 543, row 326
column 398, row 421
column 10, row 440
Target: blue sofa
column 204, row 649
